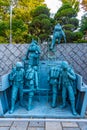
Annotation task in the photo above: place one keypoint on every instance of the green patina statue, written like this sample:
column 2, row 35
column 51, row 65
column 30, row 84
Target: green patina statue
column 57, row 35
column 53, row 82
column 31, row 83
column 33, row 53
column 17, row 82
column 66, row 79
column 25, row 79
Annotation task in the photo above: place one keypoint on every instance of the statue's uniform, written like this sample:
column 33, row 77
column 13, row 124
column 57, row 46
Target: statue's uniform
column 33, row 54
column 18, row 85
column 18, row 81
column 66, row 83
column 53, row 81
column 66, row 86
column 58, row 33
column 31, row 84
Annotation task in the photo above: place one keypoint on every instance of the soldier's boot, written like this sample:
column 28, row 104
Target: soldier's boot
column 12, row 106
column 73, row 108
column 54, row 99
column 29, row 103
column 64, row 103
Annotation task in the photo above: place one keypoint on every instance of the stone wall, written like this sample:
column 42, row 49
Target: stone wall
column 75, row 54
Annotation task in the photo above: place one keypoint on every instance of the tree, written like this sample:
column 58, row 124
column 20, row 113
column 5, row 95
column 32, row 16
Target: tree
column 4, row 32
column 4, row 21
column 40, row 10
column 41, row 24
column 83, row 27
column 19, row 31
column 73, row 3
column 4, row 9
column 24, row 7
column 20, row 19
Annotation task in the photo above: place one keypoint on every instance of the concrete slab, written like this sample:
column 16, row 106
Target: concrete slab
column 53, row 126
column 71, row 128
column 35, row 128
column 19, row 125
column 42, row 110
column 69, row 124
column 4, row 128
column 83, row 125
column 5, row 123
column 36, row 124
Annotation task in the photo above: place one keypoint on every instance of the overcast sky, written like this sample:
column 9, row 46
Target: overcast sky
column 54, row 5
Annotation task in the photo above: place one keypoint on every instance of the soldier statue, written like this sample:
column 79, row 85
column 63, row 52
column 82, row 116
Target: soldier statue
column 33, row 53
column 17, row 85
column 58, row 34
column 53, row 82
column 31, row 83
column 67, row 76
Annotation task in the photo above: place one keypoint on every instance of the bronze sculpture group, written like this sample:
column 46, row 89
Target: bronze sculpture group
column 58, row 78
column 63, row 79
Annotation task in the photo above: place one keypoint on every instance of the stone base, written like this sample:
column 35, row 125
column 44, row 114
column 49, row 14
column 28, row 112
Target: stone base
column 42, row 110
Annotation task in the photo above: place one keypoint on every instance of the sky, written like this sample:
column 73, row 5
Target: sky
column 53, row 5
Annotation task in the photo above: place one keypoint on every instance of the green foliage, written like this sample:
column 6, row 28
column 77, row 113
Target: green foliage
column 19, row 31
column 41, row 24
column 31, row 19
column 40, row 10
column 3, row 40
column 81, row 41
column 78, row 36
column 66, row 12
column 24, row 8
column 73, row 36
column 21, row 17
column 83, row 27
column 4, row 3
column 75, row 22
column 70, row 27
column 73, row 3
column 4, row 31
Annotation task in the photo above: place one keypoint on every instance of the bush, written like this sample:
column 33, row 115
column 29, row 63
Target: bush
column 81, row 41
column 69, row 36
column 69, row 27
column 77, row 36
column 3, row 40
column 73, row 36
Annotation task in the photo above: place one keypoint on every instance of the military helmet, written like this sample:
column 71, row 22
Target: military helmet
column 19, row 65
column 65, row 65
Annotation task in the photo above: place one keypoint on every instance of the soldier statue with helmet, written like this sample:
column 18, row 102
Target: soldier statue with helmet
column 53, row 82
column 33, row 53
column 31, row 84
column 17, row 85
column 67, row 76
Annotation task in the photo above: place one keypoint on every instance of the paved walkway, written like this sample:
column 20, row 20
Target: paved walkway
column 42, row 125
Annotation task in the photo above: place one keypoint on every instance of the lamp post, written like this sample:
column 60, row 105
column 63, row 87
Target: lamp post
column 11, row 2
